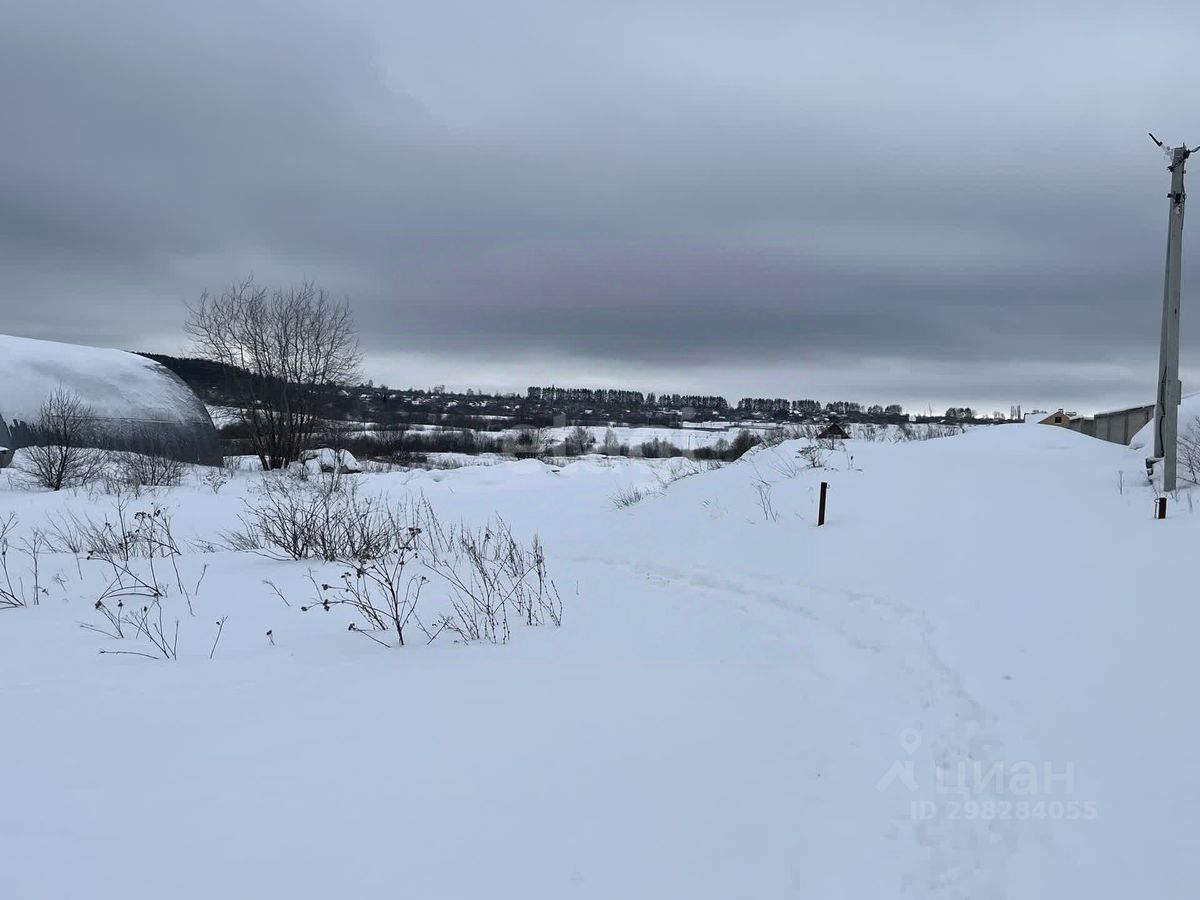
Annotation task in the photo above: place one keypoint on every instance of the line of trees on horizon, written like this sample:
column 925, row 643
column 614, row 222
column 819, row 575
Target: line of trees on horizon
column 286, row 360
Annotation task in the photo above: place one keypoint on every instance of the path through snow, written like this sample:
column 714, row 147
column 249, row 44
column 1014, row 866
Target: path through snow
column 738, row 704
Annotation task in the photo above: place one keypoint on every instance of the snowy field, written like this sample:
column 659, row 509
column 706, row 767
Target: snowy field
column 974, row 681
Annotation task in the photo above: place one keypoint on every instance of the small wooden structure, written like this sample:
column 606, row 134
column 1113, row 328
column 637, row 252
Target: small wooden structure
column 1058, row 417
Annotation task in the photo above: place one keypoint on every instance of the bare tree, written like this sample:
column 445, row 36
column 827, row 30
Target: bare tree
column 62, row 453
column 285, row 351
column 579, row 440
column 1189, row 451
column 531, row 441
column 611, row 446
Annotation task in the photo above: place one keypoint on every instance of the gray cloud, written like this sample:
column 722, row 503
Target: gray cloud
column 919, row 202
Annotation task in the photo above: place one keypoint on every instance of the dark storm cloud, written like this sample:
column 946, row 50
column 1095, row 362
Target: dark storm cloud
column 908, row 201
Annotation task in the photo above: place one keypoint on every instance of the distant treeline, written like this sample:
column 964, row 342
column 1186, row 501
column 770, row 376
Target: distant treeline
column 608, row 397
column 544, row 406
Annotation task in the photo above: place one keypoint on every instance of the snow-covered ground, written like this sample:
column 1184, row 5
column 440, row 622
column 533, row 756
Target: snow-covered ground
column 684, row 438
column 687, row 437
column 974, row 681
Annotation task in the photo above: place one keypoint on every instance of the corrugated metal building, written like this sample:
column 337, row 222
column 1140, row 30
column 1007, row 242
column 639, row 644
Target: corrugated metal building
column 135, row 403
column 1118, row 425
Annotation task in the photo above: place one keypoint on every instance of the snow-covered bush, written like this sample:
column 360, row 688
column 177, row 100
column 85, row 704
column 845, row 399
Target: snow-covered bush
column 287, row 518
column 332, row 461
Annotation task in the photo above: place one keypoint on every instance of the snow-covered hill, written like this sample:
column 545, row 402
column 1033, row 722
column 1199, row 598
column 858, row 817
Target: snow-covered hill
column 972, row 682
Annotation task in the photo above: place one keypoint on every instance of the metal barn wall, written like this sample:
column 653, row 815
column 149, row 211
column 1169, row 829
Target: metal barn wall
column 1083, row 426
column 193, row 442
column 1118, row 426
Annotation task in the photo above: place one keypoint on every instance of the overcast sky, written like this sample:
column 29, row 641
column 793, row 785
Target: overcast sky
column 925, row 203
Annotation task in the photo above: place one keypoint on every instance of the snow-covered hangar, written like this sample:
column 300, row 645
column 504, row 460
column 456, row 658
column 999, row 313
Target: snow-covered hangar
column 136, row 403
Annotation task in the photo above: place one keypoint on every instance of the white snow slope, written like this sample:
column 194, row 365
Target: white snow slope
column 115, row 384
column 1189, row 416
column 995, row 620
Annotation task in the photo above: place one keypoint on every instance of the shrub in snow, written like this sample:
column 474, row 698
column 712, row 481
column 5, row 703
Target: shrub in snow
column 137, row 553
column 1188, row 448
column 60, row 455
column 677, row 470
column 298, row 470
column 762, row 493
column 926, row 432
column 484, row 579
column 489, row 578
column 531, row 443
column 122, row 533
column 24, row 590
column 814, row 454
column 216, row 477
column 868, row 432
column 627, row 496
column 744, row 441
column 579, row 440
column 146, row 470
column 657, row 448
column 287, row 518
column 383, row 591
column 611, row 445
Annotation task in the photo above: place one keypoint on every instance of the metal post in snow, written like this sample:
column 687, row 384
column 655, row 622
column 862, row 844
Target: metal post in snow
column 821, row 507
column 1169, row 393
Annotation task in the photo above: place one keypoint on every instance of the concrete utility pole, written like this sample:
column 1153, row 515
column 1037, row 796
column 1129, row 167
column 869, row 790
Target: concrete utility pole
column 1166, row 407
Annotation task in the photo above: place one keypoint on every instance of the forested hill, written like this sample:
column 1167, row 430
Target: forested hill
column 207, row 378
